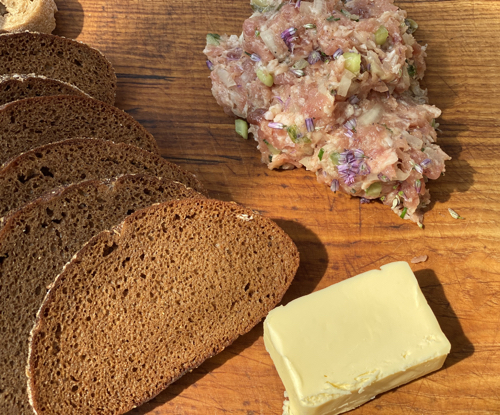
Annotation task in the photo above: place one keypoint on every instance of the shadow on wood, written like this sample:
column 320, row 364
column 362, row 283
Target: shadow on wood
column 69, row 19
column 461, row 347
column 459, row 175
column 313, row 260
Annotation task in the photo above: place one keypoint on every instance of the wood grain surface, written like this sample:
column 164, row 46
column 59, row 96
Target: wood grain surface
column 156, row 47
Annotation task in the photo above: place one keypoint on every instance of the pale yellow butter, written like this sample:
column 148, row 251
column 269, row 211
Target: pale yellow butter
column 337, row 348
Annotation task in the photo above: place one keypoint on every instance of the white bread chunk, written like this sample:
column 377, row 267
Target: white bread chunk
column 32, row 15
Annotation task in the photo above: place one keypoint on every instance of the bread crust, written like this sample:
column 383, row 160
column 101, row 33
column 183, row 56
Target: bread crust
column 273, row 281
column 60, row 58
column 37, row 171
column 14, row 87
column 65, row 116
column 35, row 16
column 63, row 219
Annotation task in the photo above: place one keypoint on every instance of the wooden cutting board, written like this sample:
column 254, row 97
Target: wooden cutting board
column 156, row 47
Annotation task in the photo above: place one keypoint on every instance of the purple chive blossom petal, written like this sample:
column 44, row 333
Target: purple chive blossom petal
column 297, row 5
column 354, row 100
column 255, row 57
column 288, row 33
column 337, row 53
column 349, row 167
column 309, row 125
column 288, row 38
column 314, row 57
column 279, row 99
column 418, row 186
column 364, row 169
column 425, row 163
column 383, row 178
column 210, row 65
column 335, row 186
column 276, row 125
column 351, row 124
column 359, row 154
column 297, row 72
column 418, row 168
column 349, row 133
column 368, row 67
column 364, row 200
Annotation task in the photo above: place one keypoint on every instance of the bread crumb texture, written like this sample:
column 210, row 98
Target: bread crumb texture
column 139, row 307
column 33, row 122
column 59, row 58
column 38, row 171
column 35, row 244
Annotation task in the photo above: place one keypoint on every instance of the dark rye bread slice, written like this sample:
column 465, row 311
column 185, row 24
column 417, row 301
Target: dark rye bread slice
column 33, row 122
column 141, row 305
column 35, row 243
column 59, row 58
column 19, row 86
column 38, row 171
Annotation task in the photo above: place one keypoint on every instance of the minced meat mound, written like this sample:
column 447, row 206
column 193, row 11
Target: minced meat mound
column 334, row 86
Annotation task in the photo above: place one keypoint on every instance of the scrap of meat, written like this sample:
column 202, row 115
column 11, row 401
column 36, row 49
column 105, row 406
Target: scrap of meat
column 334, row 87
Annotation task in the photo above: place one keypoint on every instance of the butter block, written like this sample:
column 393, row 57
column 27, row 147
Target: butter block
column 339, row 347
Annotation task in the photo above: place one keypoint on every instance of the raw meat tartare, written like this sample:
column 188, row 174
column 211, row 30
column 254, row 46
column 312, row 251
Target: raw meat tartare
column 334, row 86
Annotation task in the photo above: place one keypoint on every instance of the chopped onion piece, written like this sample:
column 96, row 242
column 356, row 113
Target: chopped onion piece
column 372, row 116
column 344, row 85
column 267, row 37
column 225, row 78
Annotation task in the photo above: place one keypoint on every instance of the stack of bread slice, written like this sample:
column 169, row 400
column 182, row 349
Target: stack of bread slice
column 115, row 261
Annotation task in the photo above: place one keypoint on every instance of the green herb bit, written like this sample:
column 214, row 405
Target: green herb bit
column 333, row 19
column 454, row 214
column 320, row 154
column 353, row 191
column 381, row 35
column 265, row 77
column 412, row 70
column 334, row 157
column 352, row 62
column 213, row 39
column 293, row 132
column 387, row 128
column 257, row 32
column 273, row 150
column 309, row 26
column 270, row 158
column 403, row 213
column 374, row 189
column 382, row 198
column 354, row 17
column 241, row 128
